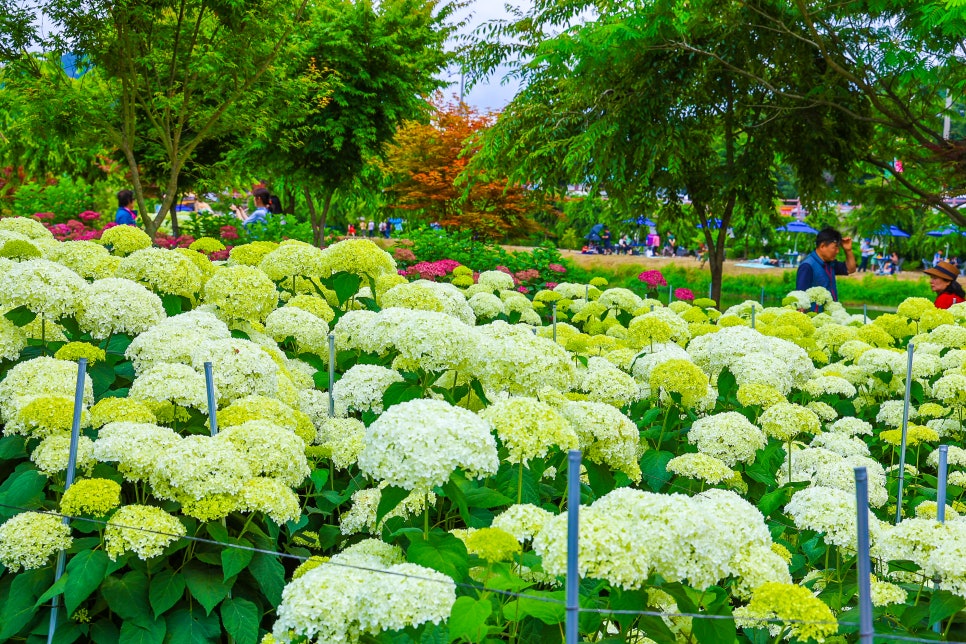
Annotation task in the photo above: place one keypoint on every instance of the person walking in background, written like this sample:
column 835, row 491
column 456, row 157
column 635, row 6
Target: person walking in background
column 943, row 280
column 868, row 252
column 938, row 257
column 125, row 215
column 820, row 267
column 372, row 228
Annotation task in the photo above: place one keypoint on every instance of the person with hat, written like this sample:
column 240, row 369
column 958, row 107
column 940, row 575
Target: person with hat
column 943, row 281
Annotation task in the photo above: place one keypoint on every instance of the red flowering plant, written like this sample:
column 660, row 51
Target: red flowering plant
column 170, row 241
column 652, row 280
column 73, row 230
column 685, row 294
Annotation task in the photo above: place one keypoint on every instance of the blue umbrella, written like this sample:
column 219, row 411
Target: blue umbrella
column 797, row 227
column 948, row 230
column 594, row 234
column 640, row 221
column 712, row 223
column 891, row 231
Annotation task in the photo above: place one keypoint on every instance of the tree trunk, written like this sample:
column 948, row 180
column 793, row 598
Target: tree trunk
column 175, row 228
column 317, row 219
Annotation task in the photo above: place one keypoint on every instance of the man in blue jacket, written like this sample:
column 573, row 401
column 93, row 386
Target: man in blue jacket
column 820, row 267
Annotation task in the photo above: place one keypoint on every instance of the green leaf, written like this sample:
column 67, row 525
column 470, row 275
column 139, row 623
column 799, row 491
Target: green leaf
column 442, row 552
column 20, row 316
column 241, row 335
column 240, row 618
column 127, row 596
column 468, row 619
column 400, row 392
column 172, row 304
column 234, row 560
column 186, row 626
column 205, row 586
column 777, row 499
column 944, row 604
column 478, row 390
column 18, row 607
column 484, row 497
column 727, row 384
column 119, row 343
column 654, row 468
column 345, row 286
column 55, row 589
column 319, row 478
column 167, row 588
column 715, row 631
column 391, row 497
column 270, row 576
column 102, row 377
column 85, row 572
column 13, row 447
column 548, row 612
column 22, row 489
column 143, row 632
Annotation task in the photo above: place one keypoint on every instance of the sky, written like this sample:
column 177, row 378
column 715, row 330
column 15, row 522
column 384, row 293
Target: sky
column 489, row 94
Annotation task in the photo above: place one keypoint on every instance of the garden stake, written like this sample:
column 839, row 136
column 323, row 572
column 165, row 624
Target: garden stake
column 866, row 631
column 941, row 502
column 710, row 290
column 763, row 296
column 587, row 292
column 554, row 309
column 534, row 330
column 573, row 579
column 212, row 407
column 865, row 314
column 652, row 308
column 905, row 427
column 670, row 293
column 752, row 317
column 331, row 374
column 71, row 468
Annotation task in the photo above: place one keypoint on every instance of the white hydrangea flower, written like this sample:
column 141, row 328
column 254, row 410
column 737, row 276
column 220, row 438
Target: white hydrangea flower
column 495, row 281
column 512, row 359
column 830, row 385
column 523, row 521
column 890, row 413
column 240, row 368
column 199, row 466
column 311, row 333
column 39, row 377
column 418, row 444
column 606, row 436
column 529, row 428
column 116, row 305
column 270, row 450
column 175, row 383
column 486, row 306
column 829, row 510
column 605, row 383
column 42, row 286
column 174, row 339
column 728, row 436
column 361, row 388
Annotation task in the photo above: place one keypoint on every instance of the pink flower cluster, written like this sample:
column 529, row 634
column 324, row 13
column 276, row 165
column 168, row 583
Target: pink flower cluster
column 220, row 254
column 527, row 275
column 653, row 279
column 556, row 268
column 43, row 216
column 431, row 270
column 89, row 215
column 228, row 232
column 404, row 255
column 551, row 285
column 170, row 241
column 73, row 230
column 685, row 294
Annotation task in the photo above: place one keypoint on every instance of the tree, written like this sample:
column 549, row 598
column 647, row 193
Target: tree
column 361, row 71
column 615, row 103
column 429, row 161
column 188, row 70
column 902, row 61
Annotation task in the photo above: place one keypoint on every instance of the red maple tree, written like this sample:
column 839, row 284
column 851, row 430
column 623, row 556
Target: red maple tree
column 427, row 162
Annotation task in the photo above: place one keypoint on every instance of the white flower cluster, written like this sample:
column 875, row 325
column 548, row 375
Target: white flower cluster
column 116, row 305
column 728, row 436
column 824, row 467
column 361, row 388
column 831, row 511
column 628, row 535
column 418, row 444
column 356, row 594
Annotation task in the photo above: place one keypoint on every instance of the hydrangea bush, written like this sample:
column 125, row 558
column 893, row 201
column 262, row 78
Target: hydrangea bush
column 717, row 471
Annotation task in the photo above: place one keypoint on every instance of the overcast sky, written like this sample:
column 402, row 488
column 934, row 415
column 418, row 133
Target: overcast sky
column 490, row 94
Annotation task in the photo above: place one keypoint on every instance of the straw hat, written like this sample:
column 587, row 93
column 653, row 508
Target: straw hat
column 944, row 271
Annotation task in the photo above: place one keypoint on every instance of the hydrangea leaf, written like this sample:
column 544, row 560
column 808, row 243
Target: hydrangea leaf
column 205, row 587
column 468, row 621
column 548, row 612
column 24, row 489
column 127, row 596
column 234, row 560
column 85, row 572
column 442, row 551
column 240, row 618
column 21, row 316
column 270, row 575
column 391, row 497
column 165, row 591
column 143, row 632
column 192, row 626
column 944, row 604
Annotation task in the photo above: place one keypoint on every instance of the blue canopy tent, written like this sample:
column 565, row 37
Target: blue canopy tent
column 797, row 227
column 891, row 231
column 945, row 232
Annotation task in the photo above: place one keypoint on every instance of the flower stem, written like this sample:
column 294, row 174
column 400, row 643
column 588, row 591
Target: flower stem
column 520, row 485
column 426, row 518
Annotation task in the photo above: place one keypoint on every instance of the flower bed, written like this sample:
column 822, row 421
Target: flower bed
column 431, row 505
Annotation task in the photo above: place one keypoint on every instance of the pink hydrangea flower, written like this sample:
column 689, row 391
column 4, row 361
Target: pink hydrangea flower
column 551, row 285
column 523, row 289
column 89, row 215
column 653, row 279
column 685, row 294
column 228, row 232
column 556, row 268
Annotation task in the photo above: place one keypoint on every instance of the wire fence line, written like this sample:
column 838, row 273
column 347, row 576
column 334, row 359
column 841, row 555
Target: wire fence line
column 764, row 621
